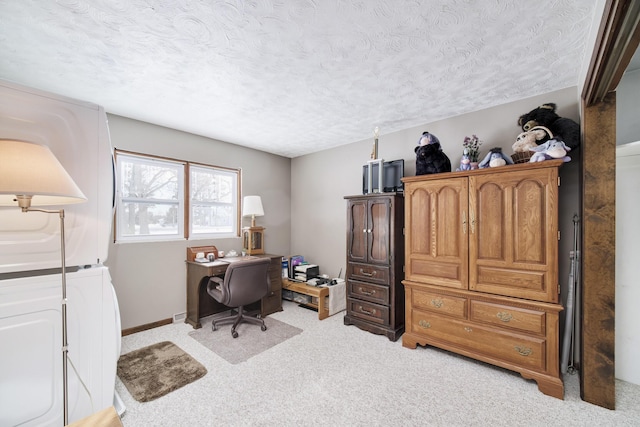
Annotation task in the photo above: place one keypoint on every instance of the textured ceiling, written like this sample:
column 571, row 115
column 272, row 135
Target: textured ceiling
column 293, row 77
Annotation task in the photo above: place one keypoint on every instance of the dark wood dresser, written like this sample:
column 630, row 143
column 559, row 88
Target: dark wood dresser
column 375, row 258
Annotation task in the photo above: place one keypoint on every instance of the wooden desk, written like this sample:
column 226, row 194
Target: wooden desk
column 199, row 302
column 320, row 293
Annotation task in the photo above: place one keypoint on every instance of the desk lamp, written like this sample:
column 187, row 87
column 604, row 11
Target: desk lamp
column 30, row 175
column 252, row 237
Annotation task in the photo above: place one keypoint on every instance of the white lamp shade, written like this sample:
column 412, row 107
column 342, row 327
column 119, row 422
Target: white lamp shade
column 252, row 206
column 28, row 169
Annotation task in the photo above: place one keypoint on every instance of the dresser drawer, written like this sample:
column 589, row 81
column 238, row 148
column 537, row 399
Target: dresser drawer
column 504, row 316
column 369, row 292
column 368, row 273
column 370, row 312
column 271, row 303
column 525, row 351
column 438, row 303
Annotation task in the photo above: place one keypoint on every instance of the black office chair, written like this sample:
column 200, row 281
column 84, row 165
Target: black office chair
column 244, row 282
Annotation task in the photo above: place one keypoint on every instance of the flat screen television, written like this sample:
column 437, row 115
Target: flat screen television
column 392, row 173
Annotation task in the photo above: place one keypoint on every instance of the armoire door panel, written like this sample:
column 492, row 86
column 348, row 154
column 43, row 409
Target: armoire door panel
column 509, row 251
column 437, row 238
column 516, row 283
column 378, row 230
column 357, row 231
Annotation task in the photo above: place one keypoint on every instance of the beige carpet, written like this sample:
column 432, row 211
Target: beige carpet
column 250, row 342
column 158, row 369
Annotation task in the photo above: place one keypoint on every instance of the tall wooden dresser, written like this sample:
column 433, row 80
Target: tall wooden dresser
column 481, row 270
column 375, row 257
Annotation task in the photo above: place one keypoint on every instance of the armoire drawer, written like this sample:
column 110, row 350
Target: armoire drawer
column 370, row 312
column 368, row 273
column 525, row 351
column 438, row 303
column 504, row 316
column 369, row 292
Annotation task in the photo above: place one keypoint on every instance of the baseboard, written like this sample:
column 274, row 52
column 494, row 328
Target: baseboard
column 146, row 327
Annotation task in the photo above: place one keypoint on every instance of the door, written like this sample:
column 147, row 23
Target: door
column 513, row 240
column 357, row 230
column 437, row 226
column 378, row 231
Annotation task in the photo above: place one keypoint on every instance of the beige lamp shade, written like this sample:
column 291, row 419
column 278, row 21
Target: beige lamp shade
column 252, row 206
column 31, row 170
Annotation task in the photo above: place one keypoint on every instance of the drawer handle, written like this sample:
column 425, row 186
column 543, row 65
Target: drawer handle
column 424, row 324
column 464, row 222
column 524, row 351
column 367, row 274
column 437, row 303
column 468, row 329
column 504, row 316
column 473, row 222
column 369, row 312
column 363, row 292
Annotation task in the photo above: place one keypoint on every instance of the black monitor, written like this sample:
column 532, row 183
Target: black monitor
column 392, row 173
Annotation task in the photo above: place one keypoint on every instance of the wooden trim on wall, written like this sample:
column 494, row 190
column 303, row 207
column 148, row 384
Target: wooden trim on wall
column 617, row 41
column 597, row 361
column 146, row 327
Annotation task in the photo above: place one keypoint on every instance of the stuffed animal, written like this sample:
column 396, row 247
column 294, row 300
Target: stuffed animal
column 429, row 156
column 465, row 161
column 532, row 138
column 529, row 139
column 552, row 149
column 494, row 159
column 545, row 115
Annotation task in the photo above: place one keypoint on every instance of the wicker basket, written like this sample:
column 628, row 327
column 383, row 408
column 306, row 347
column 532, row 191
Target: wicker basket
column 521, row 157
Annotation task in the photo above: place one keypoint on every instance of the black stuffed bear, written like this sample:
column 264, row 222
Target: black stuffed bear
column 429, row 156
column 545, row 115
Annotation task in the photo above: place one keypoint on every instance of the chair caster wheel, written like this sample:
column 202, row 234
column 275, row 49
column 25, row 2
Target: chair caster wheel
column 234, row 334
column 263, row 327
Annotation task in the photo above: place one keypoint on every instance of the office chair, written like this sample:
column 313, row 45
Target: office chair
column 244, row 282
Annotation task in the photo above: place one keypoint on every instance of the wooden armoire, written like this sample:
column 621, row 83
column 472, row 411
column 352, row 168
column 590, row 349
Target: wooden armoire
column 481, row 267
column 375, row 248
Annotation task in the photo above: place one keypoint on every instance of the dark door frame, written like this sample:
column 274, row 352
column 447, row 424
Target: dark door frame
column 617, row 40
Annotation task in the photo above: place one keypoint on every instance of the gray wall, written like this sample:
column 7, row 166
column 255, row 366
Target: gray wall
column 303, row 197
column 628, row 108
column 320, row 181
column 149, row 278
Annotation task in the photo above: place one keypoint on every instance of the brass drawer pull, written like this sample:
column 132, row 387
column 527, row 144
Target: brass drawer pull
column 363, row 292
column 367, row 274
column 524, row 351
column 504, row 316
column 369, row 312
column 437, row 303
column 424, row 324
column 468, row 329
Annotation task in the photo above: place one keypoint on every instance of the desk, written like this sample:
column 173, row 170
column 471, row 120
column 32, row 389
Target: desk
column 320, row 293
column 199, row 302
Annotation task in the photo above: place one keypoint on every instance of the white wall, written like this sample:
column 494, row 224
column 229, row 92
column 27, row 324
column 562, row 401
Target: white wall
column 628, row 108
column 627, row 228
column 320, row 181
column 150, row 278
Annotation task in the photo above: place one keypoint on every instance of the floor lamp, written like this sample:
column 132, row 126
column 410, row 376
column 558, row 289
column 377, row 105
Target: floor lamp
column 30, row 175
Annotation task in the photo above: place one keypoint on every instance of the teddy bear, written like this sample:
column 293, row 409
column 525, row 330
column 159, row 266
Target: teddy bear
column 553, row 149
column 545, row 115
column 429, row 156
column 494, row 159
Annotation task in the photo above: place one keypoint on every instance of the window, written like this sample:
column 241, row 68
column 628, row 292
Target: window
column 151, row 199
column 213, row 202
